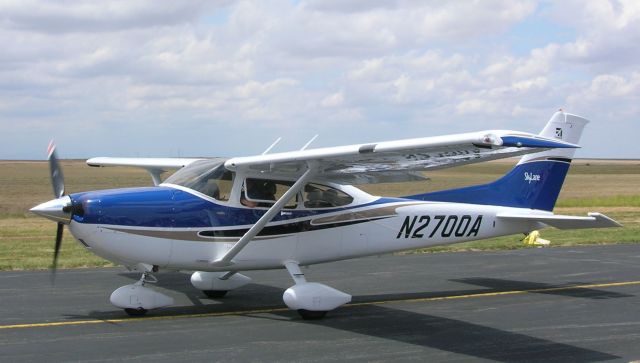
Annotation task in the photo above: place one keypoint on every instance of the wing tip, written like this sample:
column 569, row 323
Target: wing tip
column 605, row 219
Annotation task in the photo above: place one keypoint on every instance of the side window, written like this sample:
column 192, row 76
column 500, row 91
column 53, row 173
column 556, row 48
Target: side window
column 264, row 193
column 322, row 196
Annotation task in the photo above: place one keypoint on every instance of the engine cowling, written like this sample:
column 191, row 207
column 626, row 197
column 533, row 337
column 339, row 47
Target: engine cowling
column 313, row 296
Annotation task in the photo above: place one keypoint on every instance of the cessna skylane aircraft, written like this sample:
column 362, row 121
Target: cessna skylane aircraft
column 219, row 217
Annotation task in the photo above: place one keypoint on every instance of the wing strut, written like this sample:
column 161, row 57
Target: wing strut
column 309, row 142
column 266, row 218
column 155, row 175
column 272, row 145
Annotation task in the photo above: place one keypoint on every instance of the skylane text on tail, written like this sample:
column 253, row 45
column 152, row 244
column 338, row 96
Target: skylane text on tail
column 219, row 217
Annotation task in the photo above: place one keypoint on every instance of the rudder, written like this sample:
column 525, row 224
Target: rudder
column 563, row 126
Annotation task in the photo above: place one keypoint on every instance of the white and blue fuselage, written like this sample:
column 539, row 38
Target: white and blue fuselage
column 177, row 228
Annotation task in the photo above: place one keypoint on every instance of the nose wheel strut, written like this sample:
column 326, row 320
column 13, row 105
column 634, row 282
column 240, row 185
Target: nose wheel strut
column 136, row 299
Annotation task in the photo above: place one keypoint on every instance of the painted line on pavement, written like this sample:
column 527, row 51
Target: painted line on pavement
column 282, row 309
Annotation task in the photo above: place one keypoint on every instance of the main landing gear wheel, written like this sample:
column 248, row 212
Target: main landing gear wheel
column 135, row 312
column 215, row 294
column 311, row 315
column 311, row 300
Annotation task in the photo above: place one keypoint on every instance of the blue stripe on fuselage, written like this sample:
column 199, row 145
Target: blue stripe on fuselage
column 168, row 207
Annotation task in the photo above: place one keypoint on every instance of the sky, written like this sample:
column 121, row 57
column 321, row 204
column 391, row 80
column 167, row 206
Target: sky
column 226, row 78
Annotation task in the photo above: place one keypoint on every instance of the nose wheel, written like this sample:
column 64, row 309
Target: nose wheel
column 136, row 299
column 311, row 315
column 146, row 277
column 135, row 312
column 215, row 294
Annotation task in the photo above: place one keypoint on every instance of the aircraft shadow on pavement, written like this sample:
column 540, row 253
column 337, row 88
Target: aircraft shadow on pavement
column 387, row 323
column 492, row 285
column 454, row 336
column 566, row 289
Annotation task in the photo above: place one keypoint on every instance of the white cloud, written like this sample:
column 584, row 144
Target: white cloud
column 333, row 100
column 357, row 29
column 253, row 89
column 98, row 16
column 614, row 95
column 608, row 33
column 353, row 71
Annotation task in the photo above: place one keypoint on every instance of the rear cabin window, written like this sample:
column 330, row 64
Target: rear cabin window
column 322, row 196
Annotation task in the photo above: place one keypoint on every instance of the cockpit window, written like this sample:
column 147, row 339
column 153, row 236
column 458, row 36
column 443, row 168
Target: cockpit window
column 208, row 177
column 322, row 196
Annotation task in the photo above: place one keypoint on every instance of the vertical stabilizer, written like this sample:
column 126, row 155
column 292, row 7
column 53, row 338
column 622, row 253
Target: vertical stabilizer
column 562, row 126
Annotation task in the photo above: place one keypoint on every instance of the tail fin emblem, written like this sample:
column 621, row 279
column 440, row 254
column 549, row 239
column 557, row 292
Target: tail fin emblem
column 559, row 133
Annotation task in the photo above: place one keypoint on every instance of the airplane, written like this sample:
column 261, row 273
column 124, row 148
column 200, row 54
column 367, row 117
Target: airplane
column 219, row 217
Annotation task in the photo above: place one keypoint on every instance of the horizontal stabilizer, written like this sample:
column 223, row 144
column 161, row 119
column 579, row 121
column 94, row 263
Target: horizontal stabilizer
column 594, row 220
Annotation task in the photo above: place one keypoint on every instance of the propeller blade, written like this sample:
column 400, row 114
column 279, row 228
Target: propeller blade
column 56, row 250
column 57, row 179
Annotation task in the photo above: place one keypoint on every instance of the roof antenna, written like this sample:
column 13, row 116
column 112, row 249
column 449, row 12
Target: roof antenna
column 272, row 145
column 309, row 142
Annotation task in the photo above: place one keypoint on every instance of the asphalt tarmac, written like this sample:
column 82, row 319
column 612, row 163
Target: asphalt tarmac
column 552, row 304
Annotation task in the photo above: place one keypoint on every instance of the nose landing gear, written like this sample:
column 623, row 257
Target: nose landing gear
column 136, row 299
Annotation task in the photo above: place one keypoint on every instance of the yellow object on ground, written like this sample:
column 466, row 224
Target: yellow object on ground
column 533, row 239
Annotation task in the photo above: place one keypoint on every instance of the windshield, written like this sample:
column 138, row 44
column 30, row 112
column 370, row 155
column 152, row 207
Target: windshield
column 208, row 177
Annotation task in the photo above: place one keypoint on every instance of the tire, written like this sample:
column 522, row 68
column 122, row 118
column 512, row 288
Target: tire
column 215, row 294
column 311, row 315
column 135, row 312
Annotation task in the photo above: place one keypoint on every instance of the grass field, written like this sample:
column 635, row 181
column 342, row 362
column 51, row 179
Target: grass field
column 26, row 241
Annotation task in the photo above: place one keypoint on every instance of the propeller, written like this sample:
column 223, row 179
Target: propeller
column 57, row 181
column 60, row 209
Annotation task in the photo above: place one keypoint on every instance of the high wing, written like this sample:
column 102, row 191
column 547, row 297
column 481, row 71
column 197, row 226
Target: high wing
column 155, row 166
column 397, row 161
